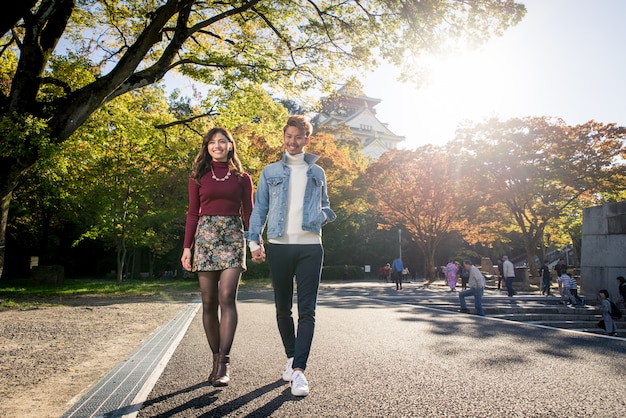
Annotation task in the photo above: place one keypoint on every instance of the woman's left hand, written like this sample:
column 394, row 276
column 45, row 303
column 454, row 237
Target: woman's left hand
column 258, row 256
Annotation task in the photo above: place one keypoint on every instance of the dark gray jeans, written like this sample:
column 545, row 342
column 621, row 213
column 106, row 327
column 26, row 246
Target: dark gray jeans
column 304, row 262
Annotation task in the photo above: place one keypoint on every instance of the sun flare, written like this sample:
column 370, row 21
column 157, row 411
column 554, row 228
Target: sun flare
column 471, row 85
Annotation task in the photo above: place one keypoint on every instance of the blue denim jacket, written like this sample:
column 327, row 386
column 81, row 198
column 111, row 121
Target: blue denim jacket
column 271, row 200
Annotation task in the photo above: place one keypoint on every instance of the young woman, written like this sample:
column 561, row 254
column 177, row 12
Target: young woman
column 220, row 204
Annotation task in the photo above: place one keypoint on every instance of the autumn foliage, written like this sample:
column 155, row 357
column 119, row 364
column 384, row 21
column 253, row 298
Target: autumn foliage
column 418, row 191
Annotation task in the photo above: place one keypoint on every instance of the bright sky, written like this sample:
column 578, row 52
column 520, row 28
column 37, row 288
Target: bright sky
column 565, row 59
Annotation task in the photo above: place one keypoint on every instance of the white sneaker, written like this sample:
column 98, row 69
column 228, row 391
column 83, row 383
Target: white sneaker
column 288, row 370
column 299, row 384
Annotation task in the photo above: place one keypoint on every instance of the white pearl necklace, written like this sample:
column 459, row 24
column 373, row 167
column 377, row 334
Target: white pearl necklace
column 223, row 178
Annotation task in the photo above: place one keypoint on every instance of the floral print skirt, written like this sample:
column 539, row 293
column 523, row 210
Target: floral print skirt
column 219, row 244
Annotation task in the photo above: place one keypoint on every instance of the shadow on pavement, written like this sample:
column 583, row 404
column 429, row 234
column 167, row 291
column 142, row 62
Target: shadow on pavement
column 201, row 402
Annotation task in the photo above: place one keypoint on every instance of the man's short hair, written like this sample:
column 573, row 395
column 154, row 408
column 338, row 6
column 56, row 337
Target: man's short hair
column 301, row 123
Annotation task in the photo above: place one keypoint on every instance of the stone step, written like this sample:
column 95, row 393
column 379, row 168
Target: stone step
column 587, row 316
column 574, row 325
column 527, row 307
column 596, row 330
column 522, row 308
column 531, row 316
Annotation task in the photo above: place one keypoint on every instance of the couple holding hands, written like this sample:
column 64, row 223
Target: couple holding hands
column 292, row 202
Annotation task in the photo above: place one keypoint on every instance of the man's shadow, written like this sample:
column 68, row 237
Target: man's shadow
column 205, row 400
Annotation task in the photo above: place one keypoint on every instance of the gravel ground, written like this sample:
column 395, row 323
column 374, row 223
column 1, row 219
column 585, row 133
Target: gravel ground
column 51, row 355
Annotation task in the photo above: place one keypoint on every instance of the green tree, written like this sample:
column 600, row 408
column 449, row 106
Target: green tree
column 538, row 168
column 256, row 121
column 39, row 211
column 127, row 179
column 128, row 45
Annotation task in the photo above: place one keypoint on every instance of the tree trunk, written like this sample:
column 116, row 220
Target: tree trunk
column 151, row 260
column 4, row 205
column 428, row 251
column 530, row 245
column 121, row 257
column 576, row 247
column 11, row 170
column 44, row 244
column 132, row 264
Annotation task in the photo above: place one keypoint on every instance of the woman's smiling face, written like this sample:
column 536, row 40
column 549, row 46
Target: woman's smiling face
column 218, row 147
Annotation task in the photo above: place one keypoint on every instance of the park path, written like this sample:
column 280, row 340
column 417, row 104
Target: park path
column 378, row 352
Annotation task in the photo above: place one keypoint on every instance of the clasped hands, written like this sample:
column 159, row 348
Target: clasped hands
column 258, row 255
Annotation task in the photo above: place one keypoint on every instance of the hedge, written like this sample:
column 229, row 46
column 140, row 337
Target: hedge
column 337, row 272
column 262, row 271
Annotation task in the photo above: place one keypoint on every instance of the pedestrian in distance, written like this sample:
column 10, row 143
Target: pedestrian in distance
column 546, row 278
column 292, row 202
column 567, row 297
column 621, row 283
column 220, row 204
column 451, row 272
column 500, row 272
column 387, row 272
column 396, row 272
column 573, row 288
column 559, row 268
column 608, row 323
column 509, row 275
column 476, row 289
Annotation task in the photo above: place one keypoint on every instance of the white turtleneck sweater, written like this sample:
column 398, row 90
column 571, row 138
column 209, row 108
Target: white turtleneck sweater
column 295, row 199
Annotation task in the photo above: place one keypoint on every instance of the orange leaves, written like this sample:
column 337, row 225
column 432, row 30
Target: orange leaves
column 414, row 189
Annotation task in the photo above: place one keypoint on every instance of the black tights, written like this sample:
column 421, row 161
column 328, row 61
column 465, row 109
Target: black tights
column 219, row 289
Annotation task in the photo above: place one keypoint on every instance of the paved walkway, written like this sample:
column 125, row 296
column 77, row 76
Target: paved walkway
column 380, row 353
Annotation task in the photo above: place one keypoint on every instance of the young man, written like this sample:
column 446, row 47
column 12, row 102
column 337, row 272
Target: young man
column 292, row 200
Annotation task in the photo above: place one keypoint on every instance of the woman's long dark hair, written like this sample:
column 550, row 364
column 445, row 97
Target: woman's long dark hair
column 202, row 162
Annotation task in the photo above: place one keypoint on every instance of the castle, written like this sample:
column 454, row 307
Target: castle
column 356, row 110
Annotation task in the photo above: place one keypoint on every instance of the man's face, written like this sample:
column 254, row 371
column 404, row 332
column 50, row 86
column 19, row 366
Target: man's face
column 294, row 140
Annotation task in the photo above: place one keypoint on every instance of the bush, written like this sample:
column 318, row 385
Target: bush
column 256, row 271
column 338, row 272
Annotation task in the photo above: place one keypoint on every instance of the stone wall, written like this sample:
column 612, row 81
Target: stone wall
column 603, row 256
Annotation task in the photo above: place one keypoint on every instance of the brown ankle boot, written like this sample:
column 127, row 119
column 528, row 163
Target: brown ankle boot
column 222, row 376
column 216, row 360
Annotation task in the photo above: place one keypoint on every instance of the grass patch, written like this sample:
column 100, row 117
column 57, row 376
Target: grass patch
column 18, row 294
